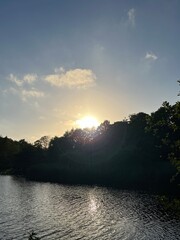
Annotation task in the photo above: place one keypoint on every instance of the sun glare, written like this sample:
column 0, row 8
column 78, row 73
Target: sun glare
column 87, row 122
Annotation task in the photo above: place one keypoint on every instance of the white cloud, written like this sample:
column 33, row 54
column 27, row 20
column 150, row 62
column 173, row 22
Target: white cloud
column 131, row 16
column 15, row 80
column 23, row 88
column 151, row 56
column 23, row 93
column 74, row 78
column 59, row 70
column 28, row 78
column 11, row 90
column 32, row 93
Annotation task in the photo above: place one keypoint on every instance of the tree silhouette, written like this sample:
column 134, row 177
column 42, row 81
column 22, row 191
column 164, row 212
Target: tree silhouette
column 126, row 153
column 43, row 142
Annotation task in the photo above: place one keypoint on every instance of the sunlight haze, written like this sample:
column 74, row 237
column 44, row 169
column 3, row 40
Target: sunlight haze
column 62, row 59
column 87, row 122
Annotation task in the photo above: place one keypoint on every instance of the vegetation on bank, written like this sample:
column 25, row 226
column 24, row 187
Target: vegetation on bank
column 142, row 152
column 170, row 204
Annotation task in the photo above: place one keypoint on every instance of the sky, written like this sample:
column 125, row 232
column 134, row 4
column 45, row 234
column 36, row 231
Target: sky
column 62, row 60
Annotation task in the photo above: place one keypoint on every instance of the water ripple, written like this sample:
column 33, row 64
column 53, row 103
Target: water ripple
column 80, row 212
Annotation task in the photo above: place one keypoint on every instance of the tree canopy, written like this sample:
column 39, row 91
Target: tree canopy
column 140, row 152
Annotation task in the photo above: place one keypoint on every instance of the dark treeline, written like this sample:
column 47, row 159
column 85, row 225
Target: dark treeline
column 142, row 152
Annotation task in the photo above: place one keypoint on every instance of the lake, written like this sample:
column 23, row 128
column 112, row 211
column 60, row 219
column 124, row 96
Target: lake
column 65, row 212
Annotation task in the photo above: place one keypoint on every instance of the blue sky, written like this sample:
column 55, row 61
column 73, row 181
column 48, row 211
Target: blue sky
column 61, row 60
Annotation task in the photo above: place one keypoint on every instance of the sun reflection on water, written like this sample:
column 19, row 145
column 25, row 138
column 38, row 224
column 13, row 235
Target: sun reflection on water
column 93, row 205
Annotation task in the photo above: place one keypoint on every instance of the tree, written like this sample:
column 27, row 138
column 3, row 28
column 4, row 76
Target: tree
column 103, row 127
column 164, row 124
column 8, row 149
column 43, row 142
column 137, row 136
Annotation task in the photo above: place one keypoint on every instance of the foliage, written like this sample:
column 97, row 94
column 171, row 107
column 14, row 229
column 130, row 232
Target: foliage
column 164, row 124
column 141, row 152
column 43, row 142
column 170, row 204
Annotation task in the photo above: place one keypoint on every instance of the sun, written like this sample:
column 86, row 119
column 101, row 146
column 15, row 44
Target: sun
column 87, row 122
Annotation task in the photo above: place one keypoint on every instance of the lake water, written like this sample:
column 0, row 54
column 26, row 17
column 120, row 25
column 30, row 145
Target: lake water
column 80, row 212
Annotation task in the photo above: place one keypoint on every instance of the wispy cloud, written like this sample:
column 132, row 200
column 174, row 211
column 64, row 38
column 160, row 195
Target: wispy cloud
column 28, row 78
column 151, row 56
column 23, row 93
column 10, row 90
column 23, row 87
column 15, row 80
column 132, row 16
column 32, row 93
column 73, row 78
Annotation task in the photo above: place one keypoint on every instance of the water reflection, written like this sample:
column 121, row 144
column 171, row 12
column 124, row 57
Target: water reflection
column 76, row 212
column 92, row 204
